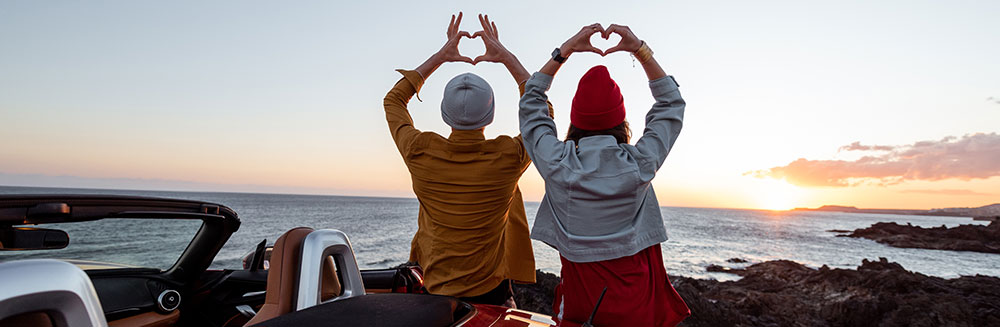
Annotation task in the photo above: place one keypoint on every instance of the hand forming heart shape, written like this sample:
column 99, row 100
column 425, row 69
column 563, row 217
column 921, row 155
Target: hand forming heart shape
column 495, row 52
column 629, row 42
column 449, row 52
column 581, row 42
column 600, row 42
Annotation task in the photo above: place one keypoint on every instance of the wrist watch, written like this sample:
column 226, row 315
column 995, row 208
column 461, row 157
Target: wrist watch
column 557, row 56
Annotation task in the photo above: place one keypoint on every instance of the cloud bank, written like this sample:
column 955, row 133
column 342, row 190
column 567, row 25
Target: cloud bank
column 974, row 156
column 946, row 192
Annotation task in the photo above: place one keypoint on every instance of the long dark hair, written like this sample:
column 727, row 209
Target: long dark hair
column 621, row 133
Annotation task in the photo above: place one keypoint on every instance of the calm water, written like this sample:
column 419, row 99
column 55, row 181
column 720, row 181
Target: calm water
column 381, row 228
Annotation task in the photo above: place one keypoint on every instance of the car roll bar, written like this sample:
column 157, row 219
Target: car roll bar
column 55, row 288
column 316, row 247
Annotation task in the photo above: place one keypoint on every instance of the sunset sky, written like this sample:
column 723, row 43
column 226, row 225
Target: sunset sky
column 894, row 104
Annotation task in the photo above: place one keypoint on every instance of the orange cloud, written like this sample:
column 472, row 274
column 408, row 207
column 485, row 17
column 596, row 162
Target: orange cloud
column 973, row 156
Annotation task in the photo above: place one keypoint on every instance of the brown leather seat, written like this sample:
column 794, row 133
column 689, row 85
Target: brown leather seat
column 283, row 275
column 36, row 319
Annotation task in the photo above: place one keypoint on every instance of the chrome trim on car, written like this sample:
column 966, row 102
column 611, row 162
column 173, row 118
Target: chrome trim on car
column 160, row 301
column 315, row 248
column 252, row 294
column 246, row 310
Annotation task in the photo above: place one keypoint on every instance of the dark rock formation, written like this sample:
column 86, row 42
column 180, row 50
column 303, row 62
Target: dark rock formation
column 878, row 293
column 785, row 293
column 537, row 297
column 718, row 268
column 962, row 238
column 736, row 260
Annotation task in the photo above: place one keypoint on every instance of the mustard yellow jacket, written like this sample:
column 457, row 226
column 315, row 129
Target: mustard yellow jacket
column 472, row 230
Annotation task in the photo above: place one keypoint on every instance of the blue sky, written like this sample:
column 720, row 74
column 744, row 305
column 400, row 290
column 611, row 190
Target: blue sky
column 234, row 94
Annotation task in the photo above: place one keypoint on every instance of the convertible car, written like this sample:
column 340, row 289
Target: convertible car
column 140, row 261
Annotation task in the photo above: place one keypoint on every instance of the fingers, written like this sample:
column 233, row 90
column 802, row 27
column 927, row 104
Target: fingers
column 489, row 27
column 594, row 50
column 496, row 32
column 594, row 28
column 612, row 50
column 479, row 34
column 482, row 22
column 466, row 34
column 621, row 30
column 614, row 28
column 455, row 57
column 487, row 58
column 453, row 25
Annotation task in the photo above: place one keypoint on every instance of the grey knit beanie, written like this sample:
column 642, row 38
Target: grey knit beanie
column 467, row 102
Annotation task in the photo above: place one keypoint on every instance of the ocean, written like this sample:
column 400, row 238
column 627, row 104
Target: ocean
column 380, row 230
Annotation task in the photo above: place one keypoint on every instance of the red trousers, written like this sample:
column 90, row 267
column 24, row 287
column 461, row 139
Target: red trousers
column 639, row 293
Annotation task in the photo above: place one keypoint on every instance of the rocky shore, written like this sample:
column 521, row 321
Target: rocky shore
column 785, row 293
column 961, row 238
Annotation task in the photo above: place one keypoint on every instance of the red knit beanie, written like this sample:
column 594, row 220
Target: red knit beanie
column 598, row 103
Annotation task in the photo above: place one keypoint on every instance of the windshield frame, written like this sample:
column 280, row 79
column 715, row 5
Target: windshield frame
column 218, row 221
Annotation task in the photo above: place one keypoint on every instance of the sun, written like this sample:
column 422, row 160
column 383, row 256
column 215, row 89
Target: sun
column 775, row 194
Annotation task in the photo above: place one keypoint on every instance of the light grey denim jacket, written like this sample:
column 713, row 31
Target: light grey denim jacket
column 599, row 203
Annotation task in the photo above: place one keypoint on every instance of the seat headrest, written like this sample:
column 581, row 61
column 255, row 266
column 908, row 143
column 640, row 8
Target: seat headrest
column 283, row 272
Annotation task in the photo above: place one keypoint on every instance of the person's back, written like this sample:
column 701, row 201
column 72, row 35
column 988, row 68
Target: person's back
column 469, row 204
column 599, row 209
column 602, row 176
column 472, row 237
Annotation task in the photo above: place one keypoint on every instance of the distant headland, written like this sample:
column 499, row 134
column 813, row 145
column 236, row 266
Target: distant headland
column 988, row 212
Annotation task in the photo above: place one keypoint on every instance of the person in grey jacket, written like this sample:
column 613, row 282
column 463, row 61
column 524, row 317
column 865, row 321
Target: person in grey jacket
column 599, row 209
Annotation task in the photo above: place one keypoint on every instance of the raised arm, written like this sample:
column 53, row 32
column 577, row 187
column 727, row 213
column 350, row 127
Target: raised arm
column 537, row 127
column 448, row 52
column 496, row 52
column 663, row 121
column 578, row 43
column 395, row 102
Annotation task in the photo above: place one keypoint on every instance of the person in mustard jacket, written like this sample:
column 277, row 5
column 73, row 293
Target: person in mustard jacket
column 472, row 236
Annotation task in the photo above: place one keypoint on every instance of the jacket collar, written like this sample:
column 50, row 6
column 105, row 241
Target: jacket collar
column 598, row 141
column 473, row 135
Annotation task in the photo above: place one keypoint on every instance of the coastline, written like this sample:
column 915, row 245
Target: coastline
column 975, row 238
column 986, row 212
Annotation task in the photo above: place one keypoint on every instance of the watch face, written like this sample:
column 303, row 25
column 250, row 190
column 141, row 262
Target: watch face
column 557, row 56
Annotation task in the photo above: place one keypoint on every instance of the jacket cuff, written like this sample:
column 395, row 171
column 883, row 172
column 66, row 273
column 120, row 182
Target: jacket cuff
column 540, row 79
column 663, row 85
column 415, row 79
